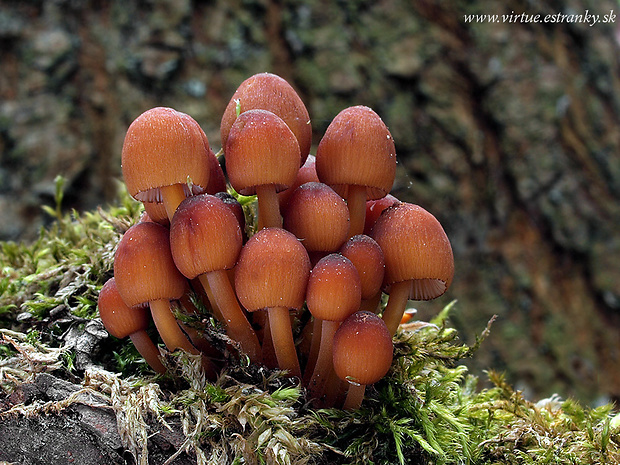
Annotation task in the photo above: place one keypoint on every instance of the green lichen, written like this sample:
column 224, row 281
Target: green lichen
column 428, row 409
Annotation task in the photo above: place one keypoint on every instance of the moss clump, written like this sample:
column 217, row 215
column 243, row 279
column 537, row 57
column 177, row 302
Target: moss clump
column 427, row 410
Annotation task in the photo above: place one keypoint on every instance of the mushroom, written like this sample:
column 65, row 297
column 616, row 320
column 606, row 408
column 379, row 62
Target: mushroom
column 318, row 217
column 357, row 158
column 164, row 159
column 333, row 294
column 419, row 264
column 145, row 274
column 156, row 212
column 205, row 241
column 272, row 273
column 262, row 158
column 374, row 208
column 362, row 354
column 307, row 173
column 367, row 257
column 270, row 92
column 122, row 321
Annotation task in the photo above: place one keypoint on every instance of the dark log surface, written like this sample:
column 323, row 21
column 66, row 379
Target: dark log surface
column 50, row 424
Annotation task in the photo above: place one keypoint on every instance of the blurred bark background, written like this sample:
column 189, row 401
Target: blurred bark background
column 507, row 131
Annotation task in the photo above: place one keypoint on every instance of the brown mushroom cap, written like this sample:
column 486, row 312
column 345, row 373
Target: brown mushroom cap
column 307, row 173
column 234, row 206
column 261, row 150
column 162, row 149
column 271, row 92
column 357, row 149
column 204, row 236
column 334, row 288
column 143, row 266
column 318, row 216
column 156, row 212
column 363, row 349
column 416, row 248
column 374, row 208
column 367, row 257
column 272, row 271
column 119, row 319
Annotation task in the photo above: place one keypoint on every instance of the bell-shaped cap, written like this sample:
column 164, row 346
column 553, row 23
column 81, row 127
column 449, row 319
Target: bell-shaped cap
column 261, row 150
column 416, row 248
column 334, row 288
column 272, row 271
column 267, row 91
column 357, row 149
column 162, row 149
column 143, row 266
column 363, row 349
column 318, row 217
column 119, row 319
column 205, row 236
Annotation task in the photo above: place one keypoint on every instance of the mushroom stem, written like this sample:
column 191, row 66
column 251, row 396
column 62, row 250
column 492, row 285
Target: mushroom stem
column 237, row 325
column 172, row 196
column 315, row 344
column 395, row 308
column 356, row 202
column 148, row 350
column 355, row 395
column 282, row 337
column 211, row 298
column 324, row 363
column 268, row 207
column 174, row 337
column 168, row 327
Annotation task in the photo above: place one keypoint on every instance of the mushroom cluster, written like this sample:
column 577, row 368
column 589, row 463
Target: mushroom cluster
column 299, row 288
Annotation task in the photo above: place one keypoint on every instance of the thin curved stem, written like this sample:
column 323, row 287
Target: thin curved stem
column 148, row 350
column 315, row 344
column 268, row 207
column 393, row 313
column 282, row 337
column 237, row 325
column 355, row 396
column 174, row 337
column 168, row 327
column 324, row 362
column 356, row 202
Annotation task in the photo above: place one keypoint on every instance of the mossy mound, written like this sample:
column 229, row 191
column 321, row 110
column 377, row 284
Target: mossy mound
column 427, row 410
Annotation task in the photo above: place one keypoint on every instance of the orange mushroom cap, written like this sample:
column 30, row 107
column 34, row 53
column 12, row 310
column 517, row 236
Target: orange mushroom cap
column 119, row 319
column 307, row 173
column 261, row 150
column 374, row 208
column 162, row 149
column 270, row 92
column 143, row 266
column 367, row 257
column 205, row 236
column 156, row 212
column 363, row 349
column 357, row 149
column 334, row 288
column 318, row 216
column 272, row 271
column 416, row 248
